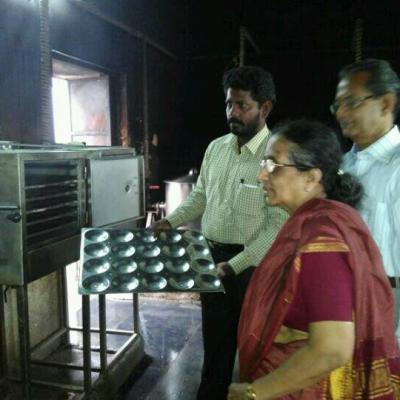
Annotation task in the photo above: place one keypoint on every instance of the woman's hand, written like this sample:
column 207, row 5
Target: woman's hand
column 238, row 391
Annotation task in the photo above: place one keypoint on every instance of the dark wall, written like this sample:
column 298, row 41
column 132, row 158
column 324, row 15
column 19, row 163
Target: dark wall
column 303, row 44
column 162, row 21
column 84, row 37
column 19, row 71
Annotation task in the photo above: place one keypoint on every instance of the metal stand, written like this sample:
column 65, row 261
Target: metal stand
column 136, row 321
column 3, row 349
column 24, row 343
column 87, row 356
column 103, row 333
column 131, row 351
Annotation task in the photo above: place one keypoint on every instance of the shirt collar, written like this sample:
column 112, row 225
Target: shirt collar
column 383, row 147
column 253, row 144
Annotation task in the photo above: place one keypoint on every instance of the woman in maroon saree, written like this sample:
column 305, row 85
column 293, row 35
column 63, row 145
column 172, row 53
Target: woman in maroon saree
column 318, row 317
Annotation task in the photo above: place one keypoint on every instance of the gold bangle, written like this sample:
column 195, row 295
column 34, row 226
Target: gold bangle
column 250, row 393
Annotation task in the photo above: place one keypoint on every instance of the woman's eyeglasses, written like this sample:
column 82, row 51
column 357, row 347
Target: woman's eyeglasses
column 270, row 165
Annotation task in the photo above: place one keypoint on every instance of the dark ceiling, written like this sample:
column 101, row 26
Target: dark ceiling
column 315, row 26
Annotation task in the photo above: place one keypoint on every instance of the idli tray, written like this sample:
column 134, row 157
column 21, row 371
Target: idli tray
column 142, row 260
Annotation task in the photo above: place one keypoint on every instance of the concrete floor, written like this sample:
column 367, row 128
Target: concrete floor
column 171, row 330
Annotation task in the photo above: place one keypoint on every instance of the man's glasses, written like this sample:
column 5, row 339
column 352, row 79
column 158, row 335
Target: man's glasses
column 349, row 102
column 270, row 165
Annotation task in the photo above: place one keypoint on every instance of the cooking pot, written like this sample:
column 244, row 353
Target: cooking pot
column 176, row 190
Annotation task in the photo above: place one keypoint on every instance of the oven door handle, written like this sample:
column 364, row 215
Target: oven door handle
column 15, row 215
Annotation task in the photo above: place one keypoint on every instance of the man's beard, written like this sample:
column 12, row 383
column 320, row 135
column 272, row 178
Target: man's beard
column 243, row 131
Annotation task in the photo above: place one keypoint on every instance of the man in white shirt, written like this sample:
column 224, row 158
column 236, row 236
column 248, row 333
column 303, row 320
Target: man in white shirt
column 366, row 105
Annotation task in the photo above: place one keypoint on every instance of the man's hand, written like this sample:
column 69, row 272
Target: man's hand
column 160, row 225
column 224, row 270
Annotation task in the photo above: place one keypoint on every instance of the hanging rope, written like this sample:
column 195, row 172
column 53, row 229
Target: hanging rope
column 242, row 46
column 46, row 112
column 357, row 39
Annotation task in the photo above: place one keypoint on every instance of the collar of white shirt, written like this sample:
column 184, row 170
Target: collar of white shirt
column 382, row 149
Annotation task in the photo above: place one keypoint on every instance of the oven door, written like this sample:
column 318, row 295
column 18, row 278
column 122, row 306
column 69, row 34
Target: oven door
column 115, row 190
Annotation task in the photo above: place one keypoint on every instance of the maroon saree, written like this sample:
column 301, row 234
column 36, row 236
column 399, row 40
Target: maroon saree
column 323, row 225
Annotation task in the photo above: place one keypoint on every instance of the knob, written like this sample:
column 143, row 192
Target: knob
column 14, row 217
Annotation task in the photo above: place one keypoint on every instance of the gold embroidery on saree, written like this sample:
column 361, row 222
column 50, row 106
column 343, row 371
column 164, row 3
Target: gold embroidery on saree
column 325, row 244
column 341, row 382
column 380, row 382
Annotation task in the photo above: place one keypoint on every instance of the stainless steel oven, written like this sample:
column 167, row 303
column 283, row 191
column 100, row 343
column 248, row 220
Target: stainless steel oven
column 47, row 196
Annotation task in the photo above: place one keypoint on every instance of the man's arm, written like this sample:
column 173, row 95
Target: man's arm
column 395, row 228
column 191, row 208
column 194, row 205
column 395, row 247
column 256, row 249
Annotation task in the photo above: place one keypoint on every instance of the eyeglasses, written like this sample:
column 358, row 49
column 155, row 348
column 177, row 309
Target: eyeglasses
column 350, row 103
column 270, row 165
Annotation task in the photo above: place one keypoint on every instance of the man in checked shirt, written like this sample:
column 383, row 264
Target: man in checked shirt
column 238, row 224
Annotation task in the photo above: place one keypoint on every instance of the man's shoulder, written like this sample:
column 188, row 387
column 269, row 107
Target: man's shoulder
column 223, row 138
column 221, row 141
column 392, row 157
column 395, row 162
column 396, row 152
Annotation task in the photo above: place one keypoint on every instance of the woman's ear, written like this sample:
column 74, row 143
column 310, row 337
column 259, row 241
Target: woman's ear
column 314, row 176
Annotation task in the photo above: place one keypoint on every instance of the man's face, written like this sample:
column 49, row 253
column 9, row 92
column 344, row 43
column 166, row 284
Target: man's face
column 359, row 113
column 244, row 115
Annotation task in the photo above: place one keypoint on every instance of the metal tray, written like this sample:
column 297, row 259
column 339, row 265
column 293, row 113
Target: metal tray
column 142, row 260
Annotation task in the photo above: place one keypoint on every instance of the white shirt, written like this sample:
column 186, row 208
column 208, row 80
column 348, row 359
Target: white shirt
column 378, row 169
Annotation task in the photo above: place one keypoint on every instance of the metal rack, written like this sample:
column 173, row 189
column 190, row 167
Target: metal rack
column 131, row 351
